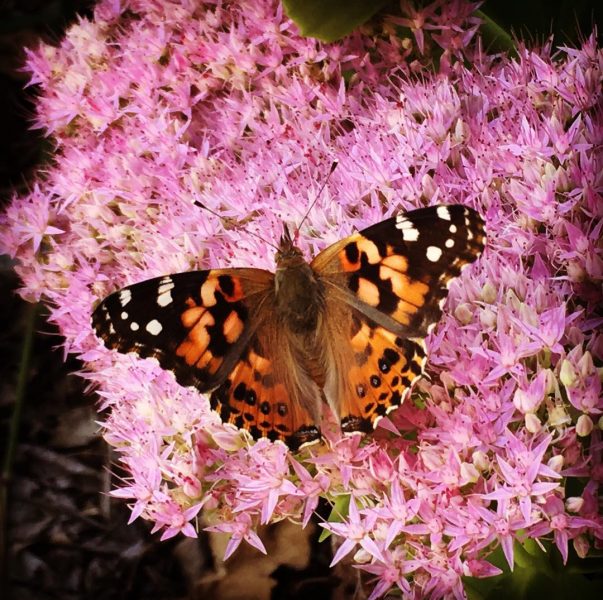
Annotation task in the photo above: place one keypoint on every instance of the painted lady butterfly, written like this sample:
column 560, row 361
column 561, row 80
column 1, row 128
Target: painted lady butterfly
column 347, row 328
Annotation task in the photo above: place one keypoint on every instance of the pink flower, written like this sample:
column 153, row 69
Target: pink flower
column 355, row 530
column 396, row 511
column 392, row 571
column 520, row 479
column 164, row 106
column 312, row 488
column 240, row 528
column 563, row 525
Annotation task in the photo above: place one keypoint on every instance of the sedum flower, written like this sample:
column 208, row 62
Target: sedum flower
column 154, row 106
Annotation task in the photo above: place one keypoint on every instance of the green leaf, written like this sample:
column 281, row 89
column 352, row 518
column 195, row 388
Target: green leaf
column 340, row 510
column 536, row 574
column 329, row 20
column 496, row 38
column 568, row 20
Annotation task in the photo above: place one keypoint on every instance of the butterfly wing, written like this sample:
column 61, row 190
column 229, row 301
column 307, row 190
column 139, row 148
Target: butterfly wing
column 393, row 278
column 215, row 331
column 196, row 324
column 269, row 391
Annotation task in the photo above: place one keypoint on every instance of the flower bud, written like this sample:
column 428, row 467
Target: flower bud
column 581, row 546
column 488, row 293
column 556, row 463
column 487, row 318
column 584, row 425
column 480, row 460
column 533, row 424
column 574, row 504
column 428, row 186
column 563, row 184
column 463, row 313
column 585, row 364
column 549, row 387
column 575, row 271
column 362, row 557
column 469, row 474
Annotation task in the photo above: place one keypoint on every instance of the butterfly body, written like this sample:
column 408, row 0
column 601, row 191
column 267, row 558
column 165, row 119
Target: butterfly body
column 298, row 292
column 270, row 348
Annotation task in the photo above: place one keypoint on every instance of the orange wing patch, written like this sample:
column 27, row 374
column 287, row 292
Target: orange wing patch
column 379, row 277
column 252, row 398
column 213, row 325
column 382, row 372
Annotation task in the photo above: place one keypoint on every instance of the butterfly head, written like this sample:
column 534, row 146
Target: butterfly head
column 288, row 254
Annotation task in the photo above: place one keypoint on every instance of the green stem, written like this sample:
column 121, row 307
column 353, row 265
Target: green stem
column 31, row 312
column 497, row 35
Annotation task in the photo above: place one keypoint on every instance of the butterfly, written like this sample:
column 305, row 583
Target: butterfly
column 347, row 328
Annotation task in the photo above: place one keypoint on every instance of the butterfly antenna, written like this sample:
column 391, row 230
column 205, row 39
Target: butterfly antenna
column 222, row 218
column 322, row 187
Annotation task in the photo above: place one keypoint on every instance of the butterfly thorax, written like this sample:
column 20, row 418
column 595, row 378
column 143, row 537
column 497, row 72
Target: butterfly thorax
column 297, row 290
column 298, row 294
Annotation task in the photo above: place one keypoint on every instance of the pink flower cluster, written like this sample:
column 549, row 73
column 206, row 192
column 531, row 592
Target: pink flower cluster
column 154, row 105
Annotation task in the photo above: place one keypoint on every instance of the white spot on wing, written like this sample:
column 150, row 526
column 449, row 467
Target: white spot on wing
column 452, row 228
column 449, row 243
column 164, row 298
column 134, row 326
column 124, row 315
column 410, row 235
column 434, row 253
column 409, row 232
column 154, row 327
column 165, row 285
column 124, row 297
column 443, row 213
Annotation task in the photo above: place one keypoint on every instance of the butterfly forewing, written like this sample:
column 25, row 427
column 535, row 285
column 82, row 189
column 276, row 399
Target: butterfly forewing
column 195, row 324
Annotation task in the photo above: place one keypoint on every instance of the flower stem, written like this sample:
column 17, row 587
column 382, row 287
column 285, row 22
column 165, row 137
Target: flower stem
column 31, row 312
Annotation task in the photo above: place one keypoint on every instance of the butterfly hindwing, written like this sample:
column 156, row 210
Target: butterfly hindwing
column 384, row 370
column 195, row 324
column 270, row 393
column 393, row 277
